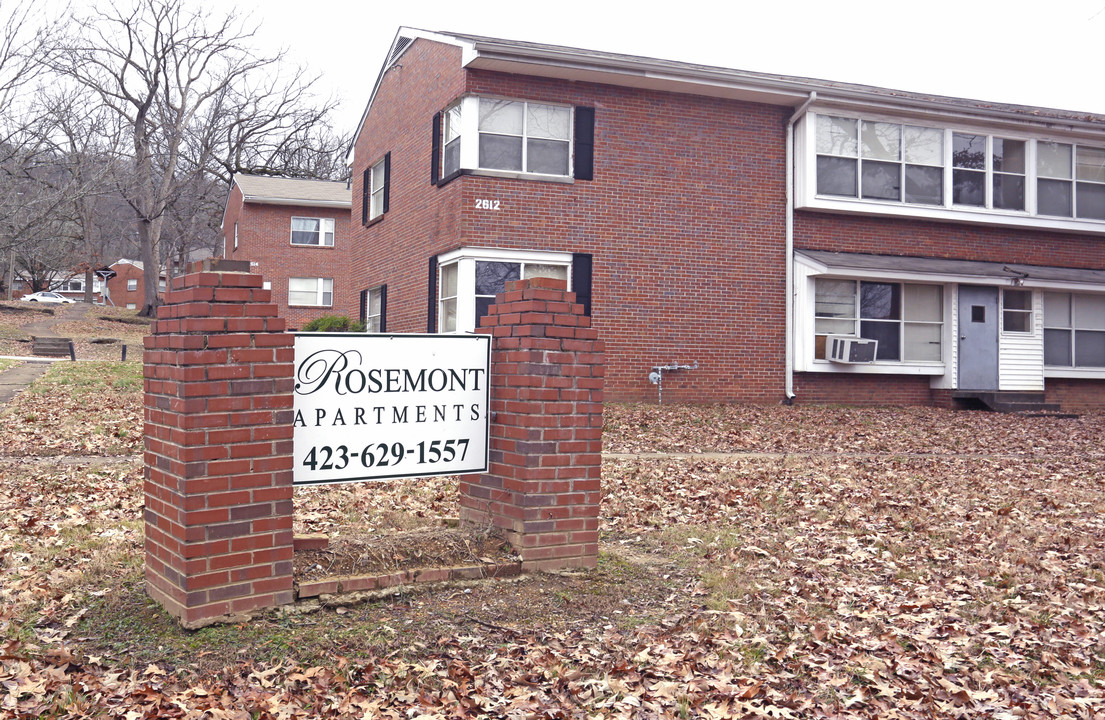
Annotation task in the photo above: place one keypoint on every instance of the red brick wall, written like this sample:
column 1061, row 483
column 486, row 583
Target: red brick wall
column 667, row 226
column 1076, row 395
column 909, row 237
column 825, row 388
column 264, row 237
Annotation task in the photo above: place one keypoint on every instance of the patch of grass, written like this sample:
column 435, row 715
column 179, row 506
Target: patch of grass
column 93, row 376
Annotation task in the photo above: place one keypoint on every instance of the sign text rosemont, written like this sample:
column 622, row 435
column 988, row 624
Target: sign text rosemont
column 373, row 407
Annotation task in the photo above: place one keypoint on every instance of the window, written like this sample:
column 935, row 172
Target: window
column 313, row 231
column 375, row 309
column 898, row 163
column 131, row 306
column 450, row 152
column 905, row 319
column 513, row 136
column 524, row 137
column 376, row 191
column 1074, row 330
column 1016, row 311
column 235, row 236
column 880, row 161
column 469, row 280
column 1071, row 180
column 132, row 284
column 161, row 286
column 311, row 291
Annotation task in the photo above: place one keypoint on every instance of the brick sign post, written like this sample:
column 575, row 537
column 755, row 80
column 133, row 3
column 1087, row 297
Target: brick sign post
column 547, row 374
column 218, row 485
column 219, row 440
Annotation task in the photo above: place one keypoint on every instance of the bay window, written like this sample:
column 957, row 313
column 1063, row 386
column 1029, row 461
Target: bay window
column 906, row 319
column 469, row 280
column 496, row 135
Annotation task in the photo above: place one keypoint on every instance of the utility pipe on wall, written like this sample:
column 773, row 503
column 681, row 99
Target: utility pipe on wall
column 789, row 312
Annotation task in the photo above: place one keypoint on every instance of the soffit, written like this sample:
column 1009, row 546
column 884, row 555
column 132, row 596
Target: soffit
column 899, row 265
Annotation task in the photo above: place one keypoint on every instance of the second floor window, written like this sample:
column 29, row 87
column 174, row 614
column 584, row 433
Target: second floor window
column 313, row 231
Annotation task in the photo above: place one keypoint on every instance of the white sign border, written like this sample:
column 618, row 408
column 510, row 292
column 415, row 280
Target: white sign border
column 399, row 476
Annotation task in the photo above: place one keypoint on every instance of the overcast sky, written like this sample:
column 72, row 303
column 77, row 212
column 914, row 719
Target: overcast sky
column 1031, row 53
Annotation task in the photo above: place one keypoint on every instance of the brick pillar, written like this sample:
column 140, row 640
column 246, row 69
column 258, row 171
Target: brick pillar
column 218, row 479
column 547, row 373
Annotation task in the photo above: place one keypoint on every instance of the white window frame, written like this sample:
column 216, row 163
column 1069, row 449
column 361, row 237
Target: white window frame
column 806, row 194
column 325, row 233
column 235, row 235
column 372, row 319
column 902, row 322
column 324, row 288
column 466, row 113
column 132, row 284
column 1026, row 313
column 1075, row 324
column 376, row 189
column 465, row 261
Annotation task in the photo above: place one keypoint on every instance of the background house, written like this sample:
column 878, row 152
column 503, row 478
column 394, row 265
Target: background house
column 741, row 221
column 295, row 233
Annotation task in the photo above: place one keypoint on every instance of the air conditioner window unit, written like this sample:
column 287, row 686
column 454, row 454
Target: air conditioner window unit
column 851, row 350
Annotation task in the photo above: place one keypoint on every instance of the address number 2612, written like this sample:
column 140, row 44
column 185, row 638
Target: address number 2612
column 484, row 204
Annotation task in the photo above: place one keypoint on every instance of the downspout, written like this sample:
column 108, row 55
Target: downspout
column 788, row 398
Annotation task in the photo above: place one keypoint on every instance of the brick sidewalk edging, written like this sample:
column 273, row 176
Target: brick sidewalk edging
column 420, row 576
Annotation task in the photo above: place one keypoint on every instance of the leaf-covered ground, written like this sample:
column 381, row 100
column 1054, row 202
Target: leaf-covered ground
column 98, row 332
column 776, row 562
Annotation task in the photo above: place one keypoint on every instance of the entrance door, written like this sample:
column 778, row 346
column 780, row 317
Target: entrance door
column 978, row 337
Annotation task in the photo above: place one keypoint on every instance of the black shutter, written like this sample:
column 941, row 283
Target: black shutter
column 581, row 280
column 431, row 298
column 435, row 150
column 365, row 195
column 383, row 308
column 584, row 144
column 387, row 180
column 364, row 305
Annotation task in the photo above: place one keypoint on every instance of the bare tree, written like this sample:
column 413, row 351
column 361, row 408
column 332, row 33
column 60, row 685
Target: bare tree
column 194, row 98
column 158, row 66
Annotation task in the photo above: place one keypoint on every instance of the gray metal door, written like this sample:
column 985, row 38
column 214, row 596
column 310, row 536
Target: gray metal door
column 978, row 337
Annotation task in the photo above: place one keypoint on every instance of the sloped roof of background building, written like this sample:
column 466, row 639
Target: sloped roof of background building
column 293, row 191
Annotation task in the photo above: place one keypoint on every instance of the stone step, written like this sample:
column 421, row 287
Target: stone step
column 1006, row 401
column 50, row 346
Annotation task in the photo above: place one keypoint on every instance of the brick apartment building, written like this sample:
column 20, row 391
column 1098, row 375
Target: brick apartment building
column 764, row 230
column 296, row 234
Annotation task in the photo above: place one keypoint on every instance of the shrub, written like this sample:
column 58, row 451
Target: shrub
column 333, row 323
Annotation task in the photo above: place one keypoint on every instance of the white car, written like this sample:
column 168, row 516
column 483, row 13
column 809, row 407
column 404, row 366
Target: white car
column 47, row 297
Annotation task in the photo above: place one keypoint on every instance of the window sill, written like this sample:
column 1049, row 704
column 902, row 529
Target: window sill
column 309, row 307
column 979, row 216
column 562, row 180
column 824, row 366
column 312, row 247
column 375, row 221
column 1067, row 372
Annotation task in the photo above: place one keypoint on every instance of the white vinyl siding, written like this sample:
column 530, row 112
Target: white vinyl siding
column 1021, row 354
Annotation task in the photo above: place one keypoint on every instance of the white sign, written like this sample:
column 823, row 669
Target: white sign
column 374, row 407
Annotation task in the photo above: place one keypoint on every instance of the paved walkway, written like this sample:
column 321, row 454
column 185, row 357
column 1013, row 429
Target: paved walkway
column 15, row 380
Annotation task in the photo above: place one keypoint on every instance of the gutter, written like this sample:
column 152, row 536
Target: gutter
column 788, row 389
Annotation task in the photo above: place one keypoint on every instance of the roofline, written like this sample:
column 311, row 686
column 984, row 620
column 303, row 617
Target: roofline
column 534, row 59
column 257, row 200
